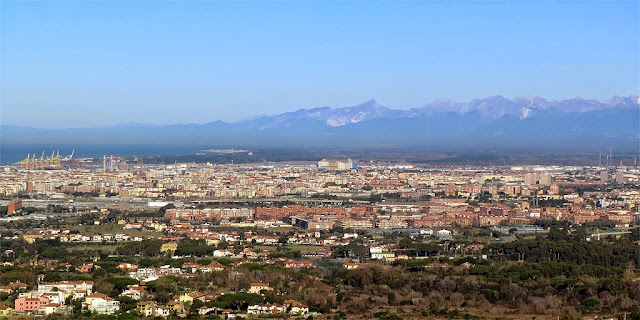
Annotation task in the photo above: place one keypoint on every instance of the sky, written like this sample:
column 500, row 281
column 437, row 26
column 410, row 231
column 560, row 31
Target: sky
column 85, row 64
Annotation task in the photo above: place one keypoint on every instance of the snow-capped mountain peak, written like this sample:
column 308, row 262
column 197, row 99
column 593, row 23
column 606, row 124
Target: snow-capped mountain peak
column 487, row 109
column 334, row 117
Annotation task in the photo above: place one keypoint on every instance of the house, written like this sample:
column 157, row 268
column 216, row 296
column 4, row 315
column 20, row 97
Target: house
column 101, row 303
column 222, row 253
column 351, row 266
column 204, row 310
column 169, row 270
column 85, row 268
column 144, row 274
column 14, row 286
column 257, row 287
column 54, row 297
column 163, row 311
column 18, row 286
column 443, row 234
column 256, row 309
column 28, row 305
column 152, row 309
column 213, row 267
column 122, row 237
column 383, row 255
column 299, row 310
column 176, row 306
column 228, row 313
column 169, row 247
column 31, row 238
column 350, row 236
column 133, row 291
column 146, row 308
column 376, row 249
column 62, row 267
column 266, row 309
column 212, row 241
column 298, row 264
column 50, row 308
column 190, row 297
column 125, row 266
column 324, row 252
column 5, row 311
column 71, row 286
column 191, row 267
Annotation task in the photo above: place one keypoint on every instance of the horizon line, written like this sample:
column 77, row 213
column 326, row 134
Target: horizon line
column 245, row 119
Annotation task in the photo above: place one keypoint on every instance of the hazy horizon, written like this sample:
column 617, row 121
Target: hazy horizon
column 274, row 114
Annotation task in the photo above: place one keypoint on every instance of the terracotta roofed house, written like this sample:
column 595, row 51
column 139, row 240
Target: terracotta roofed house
column 257, row 287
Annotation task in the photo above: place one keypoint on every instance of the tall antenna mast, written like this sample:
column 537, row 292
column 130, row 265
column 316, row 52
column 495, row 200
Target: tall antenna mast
column 610, row 156
column 600, row 159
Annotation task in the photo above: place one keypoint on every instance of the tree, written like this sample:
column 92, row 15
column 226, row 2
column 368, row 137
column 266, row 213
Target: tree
column 195, row 305
column 635, row 234
column 121, row 283
column 556, row 234
column 590, row 305
column 237, row 300
column 164, row 288
column 163, row 210
column 353, row 250
column 191, row 247
column 127, row 303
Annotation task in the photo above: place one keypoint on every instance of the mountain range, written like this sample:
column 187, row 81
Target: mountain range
column 493, row 122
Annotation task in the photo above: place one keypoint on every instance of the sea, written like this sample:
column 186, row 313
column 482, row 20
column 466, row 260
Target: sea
column 13, row 152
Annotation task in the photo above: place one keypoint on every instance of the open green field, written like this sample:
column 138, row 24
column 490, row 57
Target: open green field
column 110, row 248
column 304, row 249
column 112, row 229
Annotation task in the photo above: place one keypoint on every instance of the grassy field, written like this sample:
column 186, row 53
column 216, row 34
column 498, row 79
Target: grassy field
column 304, row 249
column 110, row 248
column 112, row 229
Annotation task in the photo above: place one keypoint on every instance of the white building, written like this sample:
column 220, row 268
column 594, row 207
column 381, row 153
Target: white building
column 426, row 232
column 266, row 309
column 350, row 236
column 50, row 308
column 222, row 253
column 102, row 304
column 133, row 291
column 257, row 287
column 78, row 286
column 383, row 255
column 299, row 310
column 145, row 274
column 373, row 250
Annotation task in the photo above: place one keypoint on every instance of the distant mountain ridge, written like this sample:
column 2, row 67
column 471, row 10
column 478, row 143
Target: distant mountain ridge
column 490, row 108
column 334, row 117
column 492, row 122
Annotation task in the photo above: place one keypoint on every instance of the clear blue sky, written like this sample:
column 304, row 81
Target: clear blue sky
column 78, row 64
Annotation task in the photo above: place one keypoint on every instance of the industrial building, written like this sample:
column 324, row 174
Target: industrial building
column 337, row 165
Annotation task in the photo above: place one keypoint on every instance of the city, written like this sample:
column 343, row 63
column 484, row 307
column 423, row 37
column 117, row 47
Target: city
column 320, row 160
column 202, row 239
